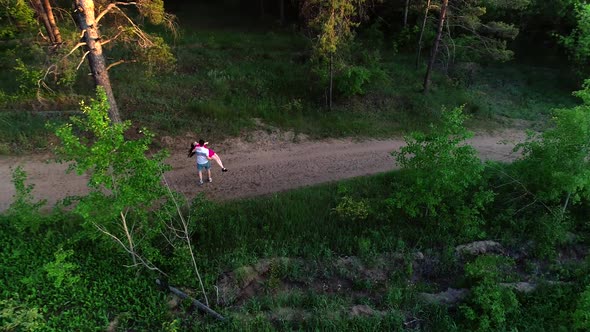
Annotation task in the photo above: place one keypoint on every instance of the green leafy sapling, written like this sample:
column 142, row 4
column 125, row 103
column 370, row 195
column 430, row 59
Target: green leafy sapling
column 444, row 176
column 24, row 212
column 124, row 180
column 554, row 164
column 489, row 305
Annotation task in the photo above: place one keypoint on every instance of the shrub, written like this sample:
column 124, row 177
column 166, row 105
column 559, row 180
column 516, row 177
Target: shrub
column 555, row 165
column 489, row 305
column 582, row 313
column 443, row 177
column 125, row 183
column 24, row 211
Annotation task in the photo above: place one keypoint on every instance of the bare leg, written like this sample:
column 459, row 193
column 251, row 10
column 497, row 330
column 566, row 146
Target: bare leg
column 209, row 174
column 218, row 161
column 200, row 177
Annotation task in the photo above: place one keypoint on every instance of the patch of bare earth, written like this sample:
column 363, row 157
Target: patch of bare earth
column 263, row 162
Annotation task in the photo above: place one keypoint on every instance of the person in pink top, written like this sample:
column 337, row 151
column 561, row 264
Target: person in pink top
column 212, row 154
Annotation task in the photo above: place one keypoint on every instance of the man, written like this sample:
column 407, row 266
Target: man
column 203, row 161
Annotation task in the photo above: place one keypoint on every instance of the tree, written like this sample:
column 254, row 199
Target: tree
column 333, row 21
column 44, row 13
column 88, row 23
column 555, row 164
column 577, row 42
column 53, row 26
column 444, row 177
column 427, row 8
column 466, row 37
column 475, row 39
column 127, row 186
column 16, row 17
column 441, row 22
column 92, row 39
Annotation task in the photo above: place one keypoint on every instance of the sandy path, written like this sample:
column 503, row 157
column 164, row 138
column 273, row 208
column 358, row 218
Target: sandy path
column 255, row 168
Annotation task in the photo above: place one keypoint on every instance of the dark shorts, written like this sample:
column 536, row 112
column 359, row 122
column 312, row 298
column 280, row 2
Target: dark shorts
column 201, row 167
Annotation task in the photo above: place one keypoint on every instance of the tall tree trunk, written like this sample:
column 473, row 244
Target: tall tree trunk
column 406, row 13
column 331, row 81
column 282, row 11
column 422, row 34
column 441, row 22
column 42, row 16
column 51, row 18
column 96, row 61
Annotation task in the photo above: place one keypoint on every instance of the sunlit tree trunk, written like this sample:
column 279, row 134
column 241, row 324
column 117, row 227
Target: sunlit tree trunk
column 441, row 22
column 422, row 34
column 52, row 24
column 96, row 60
column 42, row 16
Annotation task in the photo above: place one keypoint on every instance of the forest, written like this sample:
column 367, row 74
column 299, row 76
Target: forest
column 449, row 235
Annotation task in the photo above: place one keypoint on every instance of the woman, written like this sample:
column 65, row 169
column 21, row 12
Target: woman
column 212, row 154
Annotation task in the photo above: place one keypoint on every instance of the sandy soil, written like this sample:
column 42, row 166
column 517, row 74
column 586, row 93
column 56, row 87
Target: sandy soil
column 259, row 164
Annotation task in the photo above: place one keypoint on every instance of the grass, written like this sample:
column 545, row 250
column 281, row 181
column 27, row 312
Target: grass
column 228, row 75
column 22, row 132
column 302, row 225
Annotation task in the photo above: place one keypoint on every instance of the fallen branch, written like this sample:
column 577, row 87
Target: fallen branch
column 197, row 303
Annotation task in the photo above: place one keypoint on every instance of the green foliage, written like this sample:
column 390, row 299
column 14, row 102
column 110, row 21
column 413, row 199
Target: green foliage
column 24, row 210
column 28, row 78
column 578, row 41
column 444, row 177
column 490, row 306
column 123, row 179
column 333, row 20
column 15, row 17
column 548, row 308
column 351, row 80
column 22, row 132
column 554, row 165
column 153, row 10
column 350, row 208
column 61, row 270
column 94, row 290
column 476, row 40
column 582, row 313
column 15, row 315
column 157, row 58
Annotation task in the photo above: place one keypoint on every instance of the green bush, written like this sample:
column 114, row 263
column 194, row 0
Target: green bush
column 350, row 208
column 443, row 178
column 582, row 313
column 125, row 181
column 24, row 211
column 351, row 80
column 555, row 165
column 489, row 306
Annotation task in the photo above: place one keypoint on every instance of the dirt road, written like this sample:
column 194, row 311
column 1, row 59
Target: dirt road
column 263, row 164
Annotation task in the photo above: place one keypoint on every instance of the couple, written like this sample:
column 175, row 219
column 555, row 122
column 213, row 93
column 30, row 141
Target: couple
column 204, row 154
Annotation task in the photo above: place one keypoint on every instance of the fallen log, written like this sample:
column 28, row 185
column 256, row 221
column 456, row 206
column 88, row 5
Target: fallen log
column 197, row 303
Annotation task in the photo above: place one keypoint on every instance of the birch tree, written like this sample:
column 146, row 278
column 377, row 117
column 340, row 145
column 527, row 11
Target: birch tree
column 333, row 22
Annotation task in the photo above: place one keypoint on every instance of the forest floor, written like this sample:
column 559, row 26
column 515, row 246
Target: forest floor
column 263, row 162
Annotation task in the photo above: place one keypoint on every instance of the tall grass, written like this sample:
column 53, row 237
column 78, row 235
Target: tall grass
column 22, row 131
